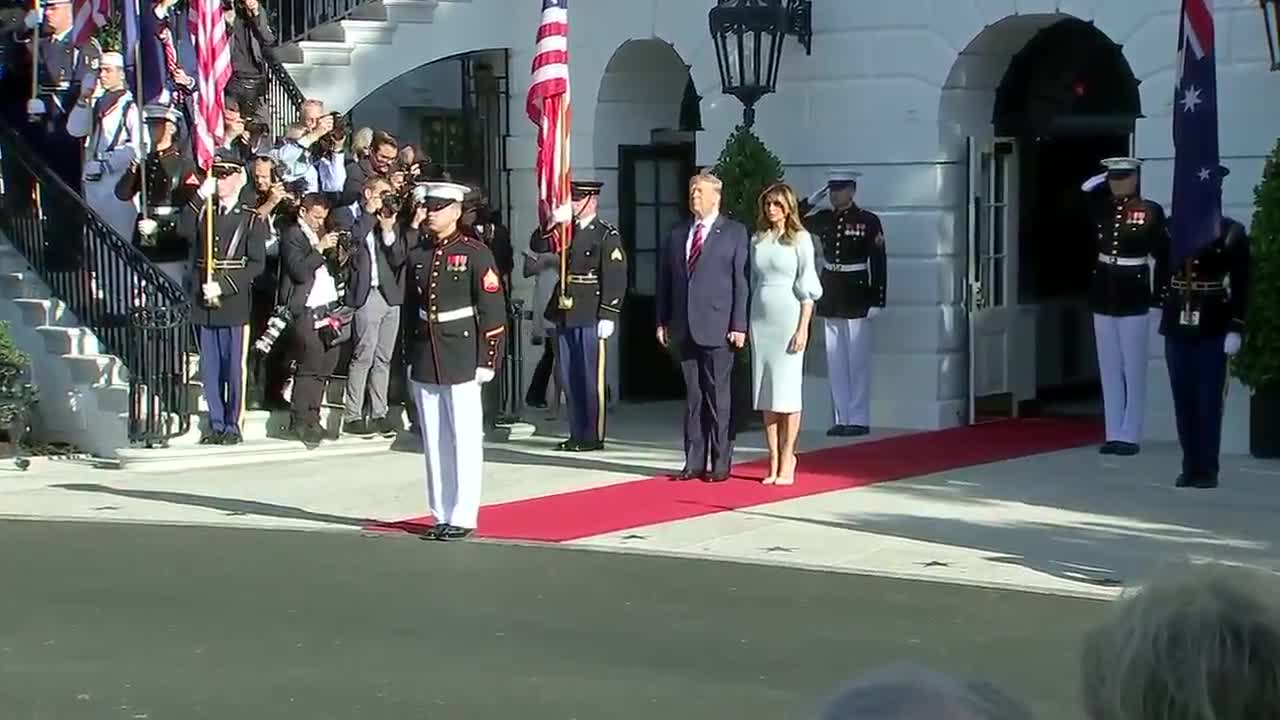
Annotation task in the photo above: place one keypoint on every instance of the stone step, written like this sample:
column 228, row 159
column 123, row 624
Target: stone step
column 16, row 283
column 62, row 340
column 40, row 313
column 253, row 452
column 96, row 370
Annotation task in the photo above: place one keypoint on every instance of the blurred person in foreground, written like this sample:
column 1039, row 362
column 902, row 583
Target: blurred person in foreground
column 906, row 692
column 1200, row 643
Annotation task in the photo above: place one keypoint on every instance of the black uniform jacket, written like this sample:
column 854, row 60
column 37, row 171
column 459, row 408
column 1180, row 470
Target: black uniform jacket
column 850, row 237
column 1207, row 295
column 454, row 294
column 171, row 180
column 596, row 275
column 239, row 255
column 1127, row 230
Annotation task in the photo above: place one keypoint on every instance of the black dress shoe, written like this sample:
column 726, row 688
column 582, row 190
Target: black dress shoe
column 213, row 437
column 311, row 436
column 384, row 427
column 687, row 474
column 835, row 431
column 357, row 428
column 1107, row 448
column 716, row 477
column 453, row 532
column 1184, row 480
column 589, row 446
column 431, row 532
column 568, row 446
column 857, row 430
column 1124, row 448
column 1205, row 481
column 231, row 437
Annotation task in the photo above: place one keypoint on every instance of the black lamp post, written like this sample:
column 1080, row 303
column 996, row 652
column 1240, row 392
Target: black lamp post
column 1271, row 22
column 749, row 35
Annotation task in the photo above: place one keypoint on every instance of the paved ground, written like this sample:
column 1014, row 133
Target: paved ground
column 133, row 621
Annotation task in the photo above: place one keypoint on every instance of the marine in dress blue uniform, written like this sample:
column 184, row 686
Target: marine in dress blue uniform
column 1129, row 230
column 854, row 264
column 221, row 298
column 1202, row 320
column 585, row 307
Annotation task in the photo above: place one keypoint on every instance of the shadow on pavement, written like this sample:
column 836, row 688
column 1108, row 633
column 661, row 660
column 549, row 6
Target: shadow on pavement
column 231, row 506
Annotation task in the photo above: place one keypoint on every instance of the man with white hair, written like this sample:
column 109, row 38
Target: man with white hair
column 456, row 348
column 912, row 693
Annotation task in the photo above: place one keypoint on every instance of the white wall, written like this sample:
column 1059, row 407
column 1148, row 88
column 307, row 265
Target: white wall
column 892, row 88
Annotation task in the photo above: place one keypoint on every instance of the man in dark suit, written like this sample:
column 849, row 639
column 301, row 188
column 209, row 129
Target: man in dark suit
column 311, row 265
column 702, row 314
column 375, row 291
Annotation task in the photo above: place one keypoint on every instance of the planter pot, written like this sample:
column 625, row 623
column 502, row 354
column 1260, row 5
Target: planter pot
column 1264, row 422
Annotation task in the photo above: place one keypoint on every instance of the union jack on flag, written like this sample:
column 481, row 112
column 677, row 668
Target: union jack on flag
column 548, row 108
column 1197, row 193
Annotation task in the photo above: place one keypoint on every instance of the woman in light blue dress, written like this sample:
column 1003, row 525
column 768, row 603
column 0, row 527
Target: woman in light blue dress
column 784, row 287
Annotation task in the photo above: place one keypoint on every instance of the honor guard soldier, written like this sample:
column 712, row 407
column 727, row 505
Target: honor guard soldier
column 1203, row 300
column 1129, row 230
column 222, row 271
column 854, row 280
column 169, row 174
column 585, row 308
column 456, row 296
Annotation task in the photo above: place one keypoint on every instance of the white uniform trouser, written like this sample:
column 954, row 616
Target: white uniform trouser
column 451, row 421
column 1122, row 362
column 849, row 369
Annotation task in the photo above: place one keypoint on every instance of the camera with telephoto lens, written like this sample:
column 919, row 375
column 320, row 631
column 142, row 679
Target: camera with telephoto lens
column 276, row 325
column 334, row 140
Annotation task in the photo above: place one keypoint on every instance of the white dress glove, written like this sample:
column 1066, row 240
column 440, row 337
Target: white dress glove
column 207, row 188
column 35, row 107
column 1092, row 183
column 211, row 290
column 604, row 329
column 817, row 195
column 872, row 312
column 483, row 375
column 33, row 19
column 1231, row 345
column 147, row 226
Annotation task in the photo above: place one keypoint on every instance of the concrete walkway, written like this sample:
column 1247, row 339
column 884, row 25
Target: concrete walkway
column 1071, row 522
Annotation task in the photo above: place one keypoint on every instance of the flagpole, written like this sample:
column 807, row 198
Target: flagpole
column 145, row 145
column 35, row 61
column 565, row 228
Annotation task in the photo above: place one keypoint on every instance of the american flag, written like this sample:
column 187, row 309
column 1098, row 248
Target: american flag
column 548, row 108
column 213, row 70
column 1197, row 197
column 87, row 17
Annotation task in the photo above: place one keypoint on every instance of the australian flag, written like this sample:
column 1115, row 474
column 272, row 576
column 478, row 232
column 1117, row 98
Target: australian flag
column 1197, row 189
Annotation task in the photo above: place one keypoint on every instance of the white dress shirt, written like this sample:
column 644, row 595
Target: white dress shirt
column 706, row 224
column 324, row 290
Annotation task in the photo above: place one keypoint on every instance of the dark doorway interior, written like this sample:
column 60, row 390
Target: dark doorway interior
column 1071, row 99
column 652, row 182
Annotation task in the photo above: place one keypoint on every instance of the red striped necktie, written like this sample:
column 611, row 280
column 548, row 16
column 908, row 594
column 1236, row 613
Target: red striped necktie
column 695, row 248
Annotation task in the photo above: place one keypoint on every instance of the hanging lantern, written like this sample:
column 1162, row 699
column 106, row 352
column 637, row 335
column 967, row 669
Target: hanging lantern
column 748, row 36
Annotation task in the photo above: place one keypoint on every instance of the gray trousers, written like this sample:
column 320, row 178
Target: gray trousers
column 376, row 327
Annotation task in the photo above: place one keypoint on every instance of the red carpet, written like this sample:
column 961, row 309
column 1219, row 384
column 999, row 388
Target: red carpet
column 636, row 503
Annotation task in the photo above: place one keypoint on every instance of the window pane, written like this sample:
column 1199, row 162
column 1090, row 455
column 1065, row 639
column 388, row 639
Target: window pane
column 646, row 228
column 668, row 217
column 646, row 273
column 645, row 179
column 670, row 189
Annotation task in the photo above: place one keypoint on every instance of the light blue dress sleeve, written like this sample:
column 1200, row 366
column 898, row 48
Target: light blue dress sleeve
column 808, row 286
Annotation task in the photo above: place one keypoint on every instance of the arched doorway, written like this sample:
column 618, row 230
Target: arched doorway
column 1037, row 101
column 646, row 121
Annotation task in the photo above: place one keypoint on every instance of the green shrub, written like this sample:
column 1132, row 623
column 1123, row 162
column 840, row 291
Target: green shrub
column 1258, row 363
column 746, row 167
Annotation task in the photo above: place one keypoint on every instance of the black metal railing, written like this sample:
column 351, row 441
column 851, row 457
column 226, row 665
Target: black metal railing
column 295, row 19
column 284, row 99
column 137, row 313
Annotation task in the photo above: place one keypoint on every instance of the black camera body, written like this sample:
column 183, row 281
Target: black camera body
column 335, row 139
column 276, row 325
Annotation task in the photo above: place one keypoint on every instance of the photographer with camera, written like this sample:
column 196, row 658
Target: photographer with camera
column 276, row 203
column 381, row 162
column 317, row 148
column 376, row 291
column 251, row 41
column 312, row 263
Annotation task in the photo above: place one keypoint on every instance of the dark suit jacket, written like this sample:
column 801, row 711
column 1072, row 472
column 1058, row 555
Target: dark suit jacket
column 298, row 263
column 712, row 303
column 390, row 261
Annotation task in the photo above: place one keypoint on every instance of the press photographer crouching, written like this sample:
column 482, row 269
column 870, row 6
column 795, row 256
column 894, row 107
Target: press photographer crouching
column 315, row 267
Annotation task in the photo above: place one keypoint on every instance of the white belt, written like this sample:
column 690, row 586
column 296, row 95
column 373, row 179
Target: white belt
column 447, row 315
column 847, row 267
column 1125, row 261
column 163, row 210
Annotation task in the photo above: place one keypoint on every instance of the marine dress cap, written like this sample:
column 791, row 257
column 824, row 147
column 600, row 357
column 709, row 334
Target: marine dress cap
column 843, row 177
column 452, row 192
column 1121, row 165
column 162, row 112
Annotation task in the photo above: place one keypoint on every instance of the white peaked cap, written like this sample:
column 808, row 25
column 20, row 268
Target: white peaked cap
column 112, row 59
column 447, row 191
column 842, row 176
column 1122, row 163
